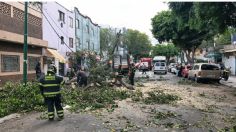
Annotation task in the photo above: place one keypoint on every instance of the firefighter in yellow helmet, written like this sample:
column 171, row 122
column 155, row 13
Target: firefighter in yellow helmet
column 50, row 86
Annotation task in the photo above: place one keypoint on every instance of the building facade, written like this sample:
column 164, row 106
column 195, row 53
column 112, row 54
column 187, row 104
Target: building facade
column 59, row 31
column 87, row 33
column 229, row 57
column 67, row 32
column 12, row 40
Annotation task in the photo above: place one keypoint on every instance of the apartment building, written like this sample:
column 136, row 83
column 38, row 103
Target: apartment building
column 59, row 31
column 12, row 40
column 87, row 33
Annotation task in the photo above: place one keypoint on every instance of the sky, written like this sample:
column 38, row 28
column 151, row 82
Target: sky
column 132, row 14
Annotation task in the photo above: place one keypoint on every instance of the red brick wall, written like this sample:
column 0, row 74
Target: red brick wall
column 15, row 24
column 14, row 47
column 15, row 78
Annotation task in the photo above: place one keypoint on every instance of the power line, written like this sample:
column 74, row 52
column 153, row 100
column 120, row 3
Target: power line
column 56, row 24
column 54, row 28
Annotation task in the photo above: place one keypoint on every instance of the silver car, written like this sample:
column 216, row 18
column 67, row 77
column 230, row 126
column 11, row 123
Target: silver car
column 160, row 68
column 205, row 71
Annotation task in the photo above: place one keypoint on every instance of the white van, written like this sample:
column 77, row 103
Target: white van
column 160, row 68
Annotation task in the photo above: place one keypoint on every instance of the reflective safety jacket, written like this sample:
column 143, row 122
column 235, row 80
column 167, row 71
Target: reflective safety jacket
column 50, row 85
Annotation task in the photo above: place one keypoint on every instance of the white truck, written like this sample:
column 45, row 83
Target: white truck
column 159, row 65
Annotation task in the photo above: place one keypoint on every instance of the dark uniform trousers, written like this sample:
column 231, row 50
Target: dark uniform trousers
column 50, row 88
column 51, row 102
column 131, row 76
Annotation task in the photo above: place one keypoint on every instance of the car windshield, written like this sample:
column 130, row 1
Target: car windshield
column 209, row 67
column 162, row 64
column 158, row 64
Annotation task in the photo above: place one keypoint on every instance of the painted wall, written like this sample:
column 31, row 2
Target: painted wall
column 51, row 11
column 88, row 40
column 230, row 62
column 51, row 14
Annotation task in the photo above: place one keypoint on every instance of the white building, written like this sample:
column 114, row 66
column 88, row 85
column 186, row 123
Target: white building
column 59, row 31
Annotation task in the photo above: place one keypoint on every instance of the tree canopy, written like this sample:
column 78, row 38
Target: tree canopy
column 168, row 50
column 167, row 27
column 217, row 15
column 107, row 40
column 138, row 43
column 188, row 24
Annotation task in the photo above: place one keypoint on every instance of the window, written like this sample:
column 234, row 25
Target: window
column 32, row 62
column 71, row 22
column 209, row 67
column 196, row 67
column 77, row 23
column 163, row 64
column 10, row 63
column 77, row 42
column 62, row 40
column 157, row 64
column 61, row 16
column 87, row 43
column 71, row 42
column 93, row 45
column 87, row 29
column 93, row 31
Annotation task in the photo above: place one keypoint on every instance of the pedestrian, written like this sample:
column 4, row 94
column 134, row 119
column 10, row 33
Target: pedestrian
column 132, row 74
column 38, row 70
column 82, row 77
column 50, row 87
column 143, row 68
column 70, row 73
column 180, row 71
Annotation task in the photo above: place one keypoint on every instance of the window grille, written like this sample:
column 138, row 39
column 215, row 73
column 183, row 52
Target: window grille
column 10, row 63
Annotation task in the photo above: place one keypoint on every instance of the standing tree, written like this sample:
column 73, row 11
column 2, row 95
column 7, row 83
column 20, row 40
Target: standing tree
column 138, row 43
column 174, row 25
column 168, row 50
column 107, row 41
column 216, row 15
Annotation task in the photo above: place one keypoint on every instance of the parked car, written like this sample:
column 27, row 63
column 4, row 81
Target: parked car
column 160, row 67
column 185, row 71
column 173, row 70
column 205, row 71
column 171, row 66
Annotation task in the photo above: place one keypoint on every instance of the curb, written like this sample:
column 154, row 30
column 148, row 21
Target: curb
column 225, row 84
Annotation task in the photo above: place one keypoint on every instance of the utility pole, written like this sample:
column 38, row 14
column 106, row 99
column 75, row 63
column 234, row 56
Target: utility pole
column 25, row 43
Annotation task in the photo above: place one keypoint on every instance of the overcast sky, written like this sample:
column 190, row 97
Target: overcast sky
column 134, row 14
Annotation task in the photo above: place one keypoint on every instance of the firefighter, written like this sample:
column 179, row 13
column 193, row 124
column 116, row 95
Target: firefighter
column 50, row 85
column 53, row 66
column 131, row 74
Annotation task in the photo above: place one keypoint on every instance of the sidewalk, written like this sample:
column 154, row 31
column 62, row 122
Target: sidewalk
column 231, row 82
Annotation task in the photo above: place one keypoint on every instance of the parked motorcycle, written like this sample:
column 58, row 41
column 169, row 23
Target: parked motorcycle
column 225, row 73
